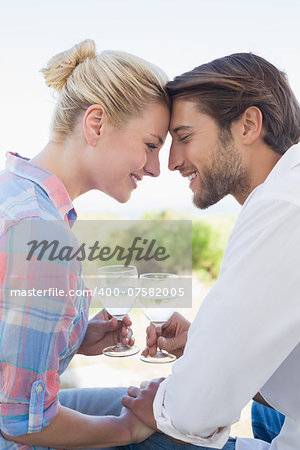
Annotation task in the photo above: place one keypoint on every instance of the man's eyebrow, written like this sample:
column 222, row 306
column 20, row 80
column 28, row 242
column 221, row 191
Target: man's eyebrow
column 181, row 128
column 160, row 140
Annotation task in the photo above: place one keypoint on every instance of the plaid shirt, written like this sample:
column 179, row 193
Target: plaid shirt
column 39, row 335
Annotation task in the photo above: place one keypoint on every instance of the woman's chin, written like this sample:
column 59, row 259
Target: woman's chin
column 123, row 198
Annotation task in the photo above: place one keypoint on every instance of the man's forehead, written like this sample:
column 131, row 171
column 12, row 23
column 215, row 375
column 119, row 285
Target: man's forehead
column 182, row 114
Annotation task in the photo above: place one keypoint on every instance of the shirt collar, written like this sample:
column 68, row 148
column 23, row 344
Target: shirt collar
column 50, row 183
column 289, row 159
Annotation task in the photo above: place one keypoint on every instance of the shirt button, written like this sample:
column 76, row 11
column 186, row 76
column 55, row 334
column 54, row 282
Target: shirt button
column 39, row 389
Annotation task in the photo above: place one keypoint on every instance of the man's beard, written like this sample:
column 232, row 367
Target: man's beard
column 225, row 175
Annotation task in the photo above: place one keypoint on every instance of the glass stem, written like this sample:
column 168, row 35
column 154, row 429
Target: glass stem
column 120, row 325
column 158, row 334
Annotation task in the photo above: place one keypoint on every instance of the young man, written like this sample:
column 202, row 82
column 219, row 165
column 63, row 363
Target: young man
column 234, row 125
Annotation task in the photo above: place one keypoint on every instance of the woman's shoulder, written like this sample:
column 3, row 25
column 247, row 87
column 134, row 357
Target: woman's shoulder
column 22, row 198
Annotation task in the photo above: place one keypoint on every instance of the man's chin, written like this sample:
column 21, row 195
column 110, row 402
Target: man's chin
column 204, row 203
column 199, row 203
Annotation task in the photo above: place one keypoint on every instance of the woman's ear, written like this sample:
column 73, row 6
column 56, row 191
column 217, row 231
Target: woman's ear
column 92, row 124
column 252, row 124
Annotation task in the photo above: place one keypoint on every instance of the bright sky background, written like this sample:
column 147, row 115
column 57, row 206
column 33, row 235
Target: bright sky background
column 177, row 35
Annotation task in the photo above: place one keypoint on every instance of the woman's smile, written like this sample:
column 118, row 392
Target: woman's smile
column 134, row 179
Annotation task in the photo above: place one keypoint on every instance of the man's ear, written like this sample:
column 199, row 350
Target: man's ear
column 92, row 123
column 252, row 124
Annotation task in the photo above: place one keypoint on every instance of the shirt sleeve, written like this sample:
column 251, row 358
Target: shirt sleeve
column 38, row 320
column 245, row 328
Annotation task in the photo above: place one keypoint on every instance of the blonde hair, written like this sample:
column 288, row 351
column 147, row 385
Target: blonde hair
column 122, row 83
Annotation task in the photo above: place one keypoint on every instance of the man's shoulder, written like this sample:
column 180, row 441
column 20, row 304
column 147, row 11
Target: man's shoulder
column 283, row 182
column 284, row 187
column 270, row 206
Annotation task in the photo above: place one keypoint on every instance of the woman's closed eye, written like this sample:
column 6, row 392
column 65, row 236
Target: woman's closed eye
column 151, row 147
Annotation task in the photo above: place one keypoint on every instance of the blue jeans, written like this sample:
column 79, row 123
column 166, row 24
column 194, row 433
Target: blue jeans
column 161, row 442
column 93, row 401
column 266, row 422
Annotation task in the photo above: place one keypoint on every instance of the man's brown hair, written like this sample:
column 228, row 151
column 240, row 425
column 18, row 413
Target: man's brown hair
column 226, row 87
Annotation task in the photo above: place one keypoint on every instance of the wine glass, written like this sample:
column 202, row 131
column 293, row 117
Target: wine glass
column 118, row 296
column 159, row 306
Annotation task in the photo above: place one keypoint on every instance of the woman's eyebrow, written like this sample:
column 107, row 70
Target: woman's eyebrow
column 160, row 140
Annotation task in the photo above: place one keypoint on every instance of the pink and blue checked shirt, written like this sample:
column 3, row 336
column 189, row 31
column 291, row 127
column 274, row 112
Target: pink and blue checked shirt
column 39, row 335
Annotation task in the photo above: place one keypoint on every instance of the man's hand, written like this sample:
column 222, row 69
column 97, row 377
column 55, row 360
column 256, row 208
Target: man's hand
column 140, row 401
column 102, row 331
column 173, row 336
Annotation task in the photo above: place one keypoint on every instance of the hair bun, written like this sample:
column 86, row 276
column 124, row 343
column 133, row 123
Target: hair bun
column 61, row 66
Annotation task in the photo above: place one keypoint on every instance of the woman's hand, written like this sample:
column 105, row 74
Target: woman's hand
column 173, row 336
column 102, row 331
column 138, row 431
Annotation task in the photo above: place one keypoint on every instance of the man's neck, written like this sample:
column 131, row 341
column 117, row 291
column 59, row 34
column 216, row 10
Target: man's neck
column 259, row 162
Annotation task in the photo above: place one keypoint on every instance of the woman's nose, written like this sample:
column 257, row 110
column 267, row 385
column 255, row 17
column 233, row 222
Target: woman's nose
column 152, row 166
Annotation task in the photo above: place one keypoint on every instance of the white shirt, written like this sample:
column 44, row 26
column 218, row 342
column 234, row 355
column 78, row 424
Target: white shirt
column 246, row 335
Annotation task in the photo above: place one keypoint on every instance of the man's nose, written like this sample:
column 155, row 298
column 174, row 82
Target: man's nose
column 176, row 159
column 152, row 166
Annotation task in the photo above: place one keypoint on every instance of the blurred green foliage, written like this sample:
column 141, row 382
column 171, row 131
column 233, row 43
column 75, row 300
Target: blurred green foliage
column 209, row 240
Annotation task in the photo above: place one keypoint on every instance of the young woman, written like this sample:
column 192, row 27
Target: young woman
column 110, row 121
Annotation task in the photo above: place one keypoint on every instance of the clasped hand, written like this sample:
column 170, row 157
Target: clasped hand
column 140, row 401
